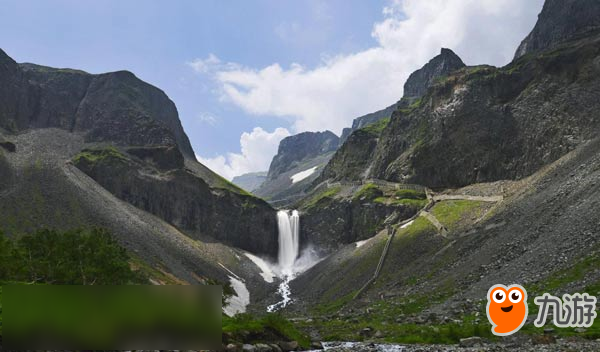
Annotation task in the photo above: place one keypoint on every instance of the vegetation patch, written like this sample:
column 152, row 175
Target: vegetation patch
column 221, row 182
column 383, row 316
column 406, row 197
column 410, row 194
column 156, row 274
column 368, row 192
column 334, row 305
column 271, row 327
column 416, row 104
column 420, row 226
column 451, row 212
column 67, row 258
column 323, row 197
column 93, row 156
column 376, row 127
column 575, row 273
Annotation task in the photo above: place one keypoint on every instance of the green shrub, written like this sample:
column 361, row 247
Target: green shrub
column 67, row 258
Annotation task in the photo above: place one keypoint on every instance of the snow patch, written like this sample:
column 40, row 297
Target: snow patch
column 360, row 243
column 303, row 174
column 238, row 302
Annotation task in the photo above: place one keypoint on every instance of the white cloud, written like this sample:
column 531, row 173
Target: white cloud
column 207, row 118
column 343, row 87
column 257, row 150
column 346, row 86
column 205, row 65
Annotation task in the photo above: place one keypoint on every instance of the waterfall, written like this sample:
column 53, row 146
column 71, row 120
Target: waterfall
column 289, row 246
column 289, row 240
column 289, row 261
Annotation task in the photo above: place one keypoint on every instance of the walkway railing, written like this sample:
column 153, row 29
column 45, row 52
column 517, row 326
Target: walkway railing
column 391, row 233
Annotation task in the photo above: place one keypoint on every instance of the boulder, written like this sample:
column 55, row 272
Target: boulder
column 289, row 345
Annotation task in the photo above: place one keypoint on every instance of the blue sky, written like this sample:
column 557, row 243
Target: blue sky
column 245, row 74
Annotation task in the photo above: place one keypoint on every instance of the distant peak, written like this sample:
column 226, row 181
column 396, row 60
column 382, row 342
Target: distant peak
column 446, row 51
column 441, row 65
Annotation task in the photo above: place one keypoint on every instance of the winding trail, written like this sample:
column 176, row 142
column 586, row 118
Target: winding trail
column 391, row 234
column 424, row 212
column 497, row 198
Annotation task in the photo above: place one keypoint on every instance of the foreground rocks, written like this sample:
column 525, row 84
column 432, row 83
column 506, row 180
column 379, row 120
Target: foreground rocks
column 561, row 345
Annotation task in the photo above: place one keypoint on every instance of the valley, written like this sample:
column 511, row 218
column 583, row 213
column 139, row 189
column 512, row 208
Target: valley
column 386, row 238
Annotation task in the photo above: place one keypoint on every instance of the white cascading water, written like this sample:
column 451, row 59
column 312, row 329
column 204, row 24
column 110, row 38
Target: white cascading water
column 289, row 246
column 289, row 240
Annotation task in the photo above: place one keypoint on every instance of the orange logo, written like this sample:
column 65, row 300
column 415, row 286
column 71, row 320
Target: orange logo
column 506, row 309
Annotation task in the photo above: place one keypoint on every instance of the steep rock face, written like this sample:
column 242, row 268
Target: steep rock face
column 334, row 222
column 297, row 148
column 419, row 81
column 182, row 199
column 416, row 85
column 560, row 21
column 291, row 185
column 366, row 120
column 250, row 181
column 354, row 158
column 299, row 160
column 116, row 107
column 136, row 149
column 485, row 124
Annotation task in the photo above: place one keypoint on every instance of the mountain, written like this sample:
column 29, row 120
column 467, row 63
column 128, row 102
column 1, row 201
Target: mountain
column 250, row 181
column 108, row 150
column 483, row 123
column 300, row 147
column 353, row 158
column 298, row 162
column 509, row 162
column 441, row 65
column 132, row 112
column 560, row 21
column 414, row 87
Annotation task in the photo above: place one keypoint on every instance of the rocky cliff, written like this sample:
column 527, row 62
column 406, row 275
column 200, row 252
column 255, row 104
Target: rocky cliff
column 419, row 81
column 154, row 179
column 299, row 160
column 560, row 21
column 367, row 119
column 353, row 159
column 485, row 123
column 115, row 107
column 134, row 146
column 300, row 147
column 339, row 215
